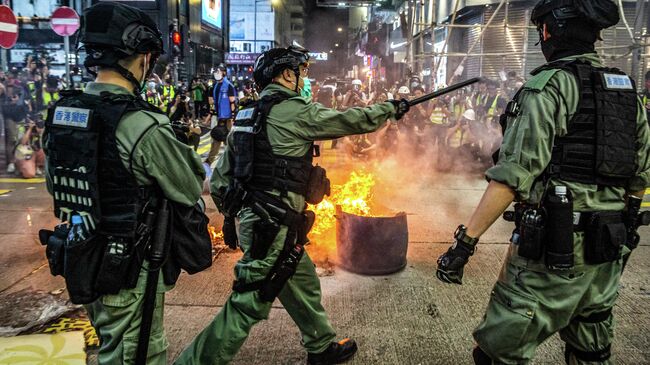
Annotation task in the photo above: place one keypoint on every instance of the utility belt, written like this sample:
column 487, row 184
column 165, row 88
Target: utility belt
column 99, row 264
column 547, row 231
column 274, row 213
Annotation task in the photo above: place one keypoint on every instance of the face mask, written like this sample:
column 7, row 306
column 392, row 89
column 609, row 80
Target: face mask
column 218, row 76
column 152, row 85
column 306, row 90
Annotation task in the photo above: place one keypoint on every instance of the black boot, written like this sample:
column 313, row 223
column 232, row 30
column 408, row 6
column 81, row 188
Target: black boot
column 336, row 353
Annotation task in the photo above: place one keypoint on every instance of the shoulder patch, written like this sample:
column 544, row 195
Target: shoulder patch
column 539, row 81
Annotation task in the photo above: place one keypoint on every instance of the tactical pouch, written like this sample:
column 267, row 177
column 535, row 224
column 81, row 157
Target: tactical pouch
column 532, row 232
column 605, row 235
column 114, row 267
column 54, row 247
column 264, row 233
column 559, row 233
column 82, row 262
column 318, row 185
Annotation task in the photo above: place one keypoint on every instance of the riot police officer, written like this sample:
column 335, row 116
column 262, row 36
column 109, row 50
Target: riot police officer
column 110, row 155
column 575, row 156
column 264, row 179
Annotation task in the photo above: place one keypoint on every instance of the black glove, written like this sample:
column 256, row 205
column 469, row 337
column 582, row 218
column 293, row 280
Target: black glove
column 230, row 233
column 401, row 107
column 451, row 263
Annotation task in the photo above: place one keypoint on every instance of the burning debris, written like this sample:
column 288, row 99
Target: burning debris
column 347, row 223
column 216, row 235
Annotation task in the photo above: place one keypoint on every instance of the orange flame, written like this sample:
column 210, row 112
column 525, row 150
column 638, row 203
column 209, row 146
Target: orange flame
column 215, row 235
column 354, row 197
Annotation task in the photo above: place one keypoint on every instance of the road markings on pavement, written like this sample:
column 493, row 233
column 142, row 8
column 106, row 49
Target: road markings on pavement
column 10, row 180
column 3, row 192
column 75, row 324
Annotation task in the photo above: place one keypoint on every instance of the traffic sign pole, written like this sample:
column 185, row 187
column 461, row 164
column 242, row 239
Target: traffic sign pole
column 65, row 22
column 66, row 47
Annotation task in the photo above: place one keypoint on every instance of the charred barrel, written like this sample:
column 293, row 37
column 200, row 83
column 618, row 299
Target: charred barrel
column 371, row 245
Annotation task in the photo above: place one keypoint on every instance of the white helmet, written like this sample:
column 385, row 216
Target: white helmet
column 356, row 82
column 470, row 114
column 404, row 90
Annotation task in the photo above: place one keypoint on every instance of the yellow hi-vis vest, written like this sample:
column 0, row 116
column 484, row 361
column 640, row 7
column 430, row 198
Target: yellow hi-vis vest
column 437, row 116
column 47, row 99
column 493, row 108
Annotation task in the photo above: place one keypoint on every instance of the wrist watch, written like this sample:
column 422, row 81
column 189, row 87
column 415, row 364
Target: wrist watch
column 467, row 242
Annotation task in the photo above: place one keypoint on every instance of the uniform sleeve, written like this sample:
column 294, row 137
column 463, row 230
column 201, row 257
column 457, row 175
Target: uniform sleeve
column 173, row 165
column 317, row 122
column 528, row 142
column 642, row 180
column 232, row 91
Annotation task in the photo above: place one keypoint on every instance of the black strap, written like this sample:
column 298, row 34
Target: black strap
column 589, row 356
column 596, row 317
column 289, row 218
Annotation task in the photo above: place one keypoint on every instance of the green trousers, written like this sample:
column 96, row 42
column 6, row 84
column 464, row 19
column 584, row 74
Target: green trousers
column 117, row 319
column 528, row 304
column 220, row 341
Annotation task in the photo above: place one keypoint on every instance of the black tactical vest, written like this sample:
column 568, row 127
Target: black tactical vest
column 88, row 174
column 599, row 147
column 255, row 164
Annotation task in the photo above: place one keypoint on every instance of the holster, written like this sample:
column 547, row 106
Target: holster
column 233, row 199
column 265, row 232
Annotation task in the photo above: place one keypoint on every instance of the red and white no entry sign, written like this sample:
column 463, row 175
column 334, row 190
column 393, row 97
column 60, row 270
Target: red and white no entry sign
column 8, row 27
column 65, row 21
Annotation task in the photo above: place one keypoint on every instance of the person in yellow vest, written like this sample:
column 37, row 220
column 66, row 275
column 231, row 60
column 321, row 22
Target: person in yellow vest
column 168, row 94
column 153, row 96
column 493, row 105
column 439, row 116
column 50, row 94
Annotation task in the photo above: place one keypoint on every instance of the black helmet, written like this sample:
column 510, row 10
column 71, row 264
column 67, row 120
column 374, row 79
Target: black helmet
column 113, row 31
column 272, row 62
column 599, row 13
column 222, row 67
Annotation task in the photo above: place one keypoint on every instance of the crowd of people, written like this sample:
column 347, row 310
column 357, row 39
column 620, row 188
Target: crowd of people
column 25, row 95
column 461, row 125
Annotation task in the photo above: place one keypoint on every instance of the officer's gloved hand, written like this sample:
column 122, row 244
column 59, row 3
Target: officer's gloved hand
column 401, row 107
column 452, row 263
column 230, row 233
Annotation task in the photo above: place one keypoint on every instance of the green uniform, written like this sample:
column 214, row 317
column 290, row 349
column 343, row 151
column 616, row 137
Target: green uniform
column 529, row 303
column 177, row 169
column 292, row 126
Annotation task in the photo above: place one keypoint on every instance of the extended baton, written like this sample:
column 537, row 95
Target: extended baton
column 444, row 91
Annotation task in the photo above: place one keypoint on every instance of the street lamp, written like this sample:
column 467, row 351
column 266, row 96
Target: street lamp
column 339, row 29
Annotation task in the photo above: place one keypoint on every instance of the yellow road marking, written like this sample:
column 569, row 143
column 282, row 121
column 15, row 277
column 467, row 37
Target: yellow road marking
column 645, row 205
column 37, row 180
column 3, row 192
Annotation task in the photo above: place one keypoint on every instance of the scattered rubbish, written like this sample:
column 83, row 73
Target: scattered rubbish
column 28, row 308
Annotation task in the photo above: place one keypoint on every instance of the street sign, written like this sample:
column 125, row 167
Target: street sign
column 8, row 27
column 64, row 21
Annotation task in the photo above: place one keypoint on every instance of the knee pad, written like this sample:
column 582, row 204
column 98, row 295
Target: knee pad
column 480, row 357
column 588, row 356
